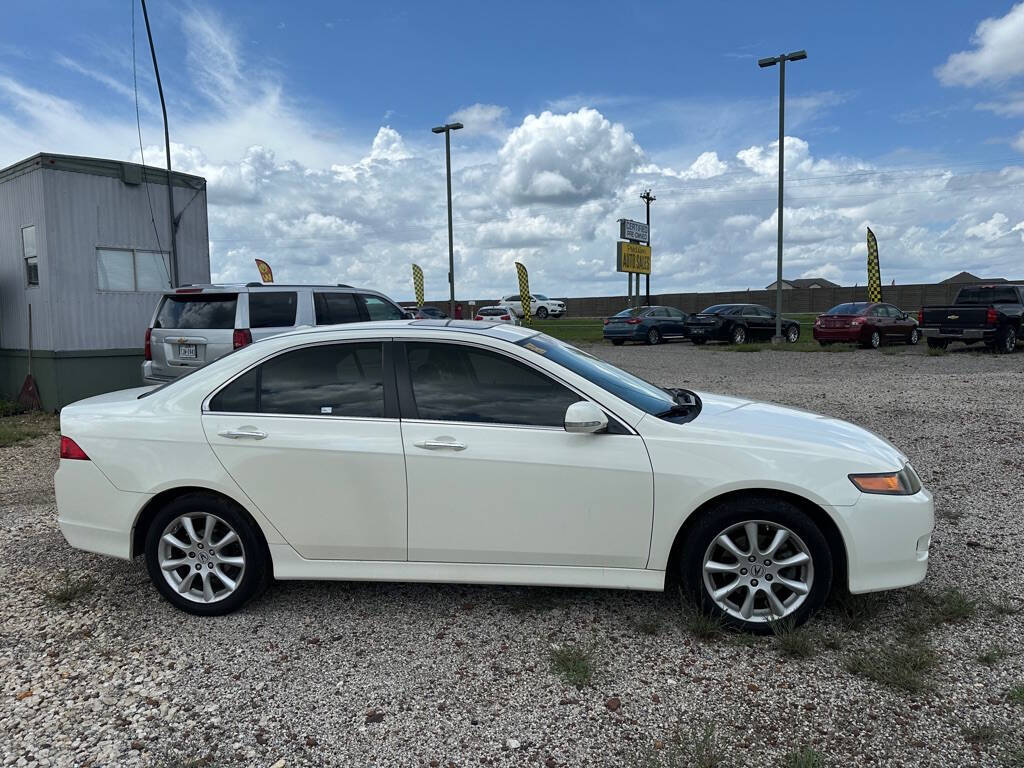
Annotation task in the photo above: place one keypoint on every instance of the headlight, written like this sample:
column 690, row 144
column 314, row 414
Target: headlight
column 902, row 483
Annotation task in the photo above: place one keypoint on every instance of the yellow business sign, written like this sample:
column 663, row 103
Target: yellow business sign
column 633, row 257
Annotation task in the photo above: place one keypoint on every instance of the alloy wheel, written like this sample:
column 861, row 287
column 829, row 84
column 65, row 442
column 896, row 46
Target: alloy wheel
column 915, row 336
column 1009, row 340
column 653, row 337
column 201, row 557
column 758, row 571
column 739, row 335
column 792, row 334
column 876, row 340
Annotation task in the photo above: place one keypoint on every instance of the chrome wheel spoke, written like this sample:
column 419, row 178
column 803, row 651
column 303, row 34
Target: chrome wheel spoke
column 777, row 541
column 798, row 587
column 186, row 583
column 208, row 529
column 798, row 559
column 226, row 539
column 190, row 529
column 206, row 580
column 747, row 609
column 710, row 566
column 173, row 565
column 778, row 609
column 751, row 531
column 727, row 590
column 227, row 581
column 730, row 546
column 175, row 542
column 207, row 587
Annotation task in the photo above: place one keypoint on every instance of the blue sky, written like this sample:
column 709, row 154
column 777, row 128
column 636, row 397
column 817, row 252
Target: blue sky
column 311, row 122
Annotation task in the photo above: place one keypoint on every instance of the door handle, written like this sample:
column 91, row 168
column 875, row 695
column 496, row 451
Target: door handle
column 234, row 434
column 434, row 445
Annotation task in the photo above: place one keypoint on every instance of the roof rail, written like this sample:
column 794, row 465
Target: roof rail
column 344, row 285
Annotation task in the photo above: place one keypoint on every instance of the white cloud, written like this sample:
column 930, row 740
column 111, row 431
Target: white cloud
column 992, row 229
column 1012, row 105
column 997, row 56
column 482, row 120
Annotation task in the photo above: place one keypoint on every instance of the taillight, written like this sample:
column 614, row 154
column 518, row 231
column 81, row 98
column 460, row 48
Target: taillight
column 505, row 317
column 606, row 321
column 920, row 317
column 991, row 318
column 241, row 337
column 634, row 321
column 69, row 449
column 479, row 317
column 149, row 350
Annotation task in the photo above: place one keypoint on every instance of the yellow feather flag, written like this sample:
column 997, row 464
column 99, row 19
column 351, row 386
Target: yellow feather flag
column 874, row 273
column 266, row 273
column 524, row 292
column 417, row 283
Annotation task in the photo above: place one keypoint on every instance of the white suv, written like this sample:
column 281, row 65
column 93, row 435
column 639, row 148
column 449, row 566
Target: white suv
column 540, row 305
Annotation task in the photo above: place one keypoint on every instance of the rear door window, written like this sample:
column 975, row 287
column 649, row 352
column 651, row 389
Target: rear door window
column 272, row 309
column 197, row 311
column 379, row 309
column 336, row 307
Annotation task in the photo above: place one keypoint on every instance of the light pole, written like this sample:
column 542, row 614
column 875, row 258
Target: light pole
column 447, row 129
column 781, row 60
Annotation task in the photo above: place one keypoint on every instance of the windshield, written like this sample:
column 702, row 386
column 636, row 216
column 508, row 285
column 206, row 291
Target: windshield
column 626, row 386
column 853, row 308
column 540, row 297
column 714, row 309
column 628, row 312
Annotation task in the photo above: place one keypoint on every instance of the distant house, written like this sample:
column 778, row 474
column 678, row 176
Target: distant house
column 804, row 282
column 967, row 277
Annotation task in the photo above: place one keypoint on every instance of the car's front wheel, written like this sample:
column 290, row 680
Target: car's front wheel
column 754, row 560
column 915, row 336
column 205, row 555
column 739, row 334
column 793, row 334
column 542, row 312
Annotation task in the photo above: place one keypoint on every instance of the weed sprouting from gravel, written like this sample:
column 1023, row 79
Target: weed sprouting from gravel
column 1004, row 605
column 937, row 351
column 698, row 748
column 982, row 735
column 898, row 665
column 1014, row 756
column 15, row 433
column 697, row 623
column 804, row 757
column 1016, row 694
column 648, row 625
column 993, row 655
column 573, row 663
column 10, row 408
column 856, row 612
column 930, row 611
column 69, row 590
column 792, row 642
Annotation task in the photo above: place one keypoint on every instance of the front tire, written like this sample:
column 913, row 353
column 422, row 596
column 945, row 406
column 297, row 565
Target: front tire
column 653, row 336
column 793, row 334
column 739, row 335
column 205, row 555
column 756, row 559
column 542, row 312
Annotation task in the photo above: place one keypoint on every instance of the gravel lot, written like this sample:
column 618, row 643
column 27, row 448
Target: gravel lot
column 403, row 674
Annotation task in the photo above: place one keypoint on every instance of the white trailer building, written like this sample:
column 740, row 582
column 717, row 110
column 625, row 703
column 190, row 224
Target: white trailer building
column 85, row 251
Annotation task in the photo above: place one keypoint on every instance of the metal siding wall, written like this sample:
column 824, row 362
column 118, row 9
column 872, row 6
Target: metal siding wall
column 87, row 212
column 21, row 204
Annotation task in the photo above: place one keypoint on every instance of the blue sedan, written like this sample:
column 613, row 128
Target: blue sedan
column 651, row 325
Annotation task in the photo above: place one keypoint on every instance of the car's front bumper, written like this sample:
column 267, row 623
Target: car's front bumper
column 887, row 539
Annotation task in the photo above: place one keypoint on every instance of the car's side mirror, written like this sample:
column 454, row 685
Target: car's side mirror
column 585, row 417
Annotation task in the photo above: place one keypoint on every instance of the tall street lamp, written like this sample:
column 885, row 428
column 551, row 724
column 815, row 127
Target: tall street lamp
column 781, row 60
column 447, row 129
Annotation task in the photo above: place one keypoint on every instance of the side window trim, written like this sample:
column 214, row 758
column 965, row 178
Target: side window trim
column 407, row 402
column 391, row 399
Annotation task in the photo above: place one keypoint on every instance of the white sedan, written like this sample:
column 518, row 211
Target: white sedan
column 364, row 451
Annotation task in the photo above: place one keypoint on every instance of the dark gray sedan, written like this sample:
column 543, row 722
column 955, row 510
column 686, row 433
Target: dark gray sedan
column 651, row 325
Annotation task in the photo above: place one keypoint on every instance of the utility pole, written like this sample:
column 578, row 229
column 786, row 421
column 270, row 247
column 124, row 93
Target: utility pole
column 447, row 129
column 648, row 198
column 781, row 60
column 167, row 148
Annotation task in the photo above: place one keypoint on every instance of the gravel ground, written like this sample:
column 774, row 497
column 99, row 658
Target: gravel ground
column 405, row 674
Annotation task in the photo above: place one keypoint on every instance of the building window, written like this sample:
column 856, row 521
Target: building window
column 31, row 256
column 132, row 270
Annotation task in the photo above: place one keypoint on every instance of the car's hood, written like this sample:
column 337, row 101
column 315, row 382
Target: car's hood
column 765, row 421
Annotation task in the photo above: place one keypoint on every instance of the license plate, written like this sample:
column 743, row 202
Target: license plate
column 697, row 331
column 187, row 351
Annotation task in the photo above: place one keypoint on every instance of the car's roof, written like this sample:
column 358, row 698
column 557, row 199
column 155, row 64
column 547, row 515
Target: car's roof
column 480, row 327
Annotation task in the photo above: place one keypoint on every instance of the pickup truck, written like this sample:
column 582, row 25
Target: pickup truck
column 988, row 313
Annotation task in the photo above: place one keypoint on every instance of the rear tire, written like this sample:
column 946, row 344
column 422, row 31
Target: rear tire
column 653, row 336
column 243, row 563
column 1006, row 340
column 803, row 541
column 793, row 334
column 874, row 341
column 739, row 335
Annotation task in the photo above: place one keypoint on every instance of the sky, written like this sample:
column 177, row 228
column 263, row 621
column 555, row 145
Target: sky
column 311, row 123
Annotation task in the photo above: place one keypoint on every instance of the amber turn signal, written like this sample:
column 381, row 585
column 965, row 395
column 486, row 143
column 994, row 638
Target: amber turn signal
column 902, row 483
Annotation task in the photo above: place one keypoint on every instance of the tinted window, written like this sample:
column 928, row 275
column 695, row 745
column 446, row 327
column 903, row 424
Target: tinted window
column 878, row 312
column 628, row 312
column 186, row 312
column 987, row 295
column 378, row 309
column 853, row 308
column 542, row 297
column 272, row 309
column 659, row 312
column 239, row 396
column 326, row 380
column 751, row 312
column 676, row 313
column 335, row 307
column 451, row 382
column 714, row 309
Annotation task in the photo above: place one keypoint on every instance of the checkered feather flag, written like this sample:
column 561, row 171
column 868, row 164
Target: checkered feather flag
column 874, row 273
column 417, row 283
column 524, row 292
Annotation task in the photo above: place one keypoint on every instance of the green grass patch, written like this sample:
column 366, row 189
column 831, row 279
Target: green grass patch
column 902, row 666
column 647, row 625
column 792, row 642
column 573, row 330
column 25, row 426
column 69, row 590
column 936, row 351
column 993, row 655
column 698, row 748
column 982, row 735
column 804, row 757
column 929, row 611
column 1016, row 694
column 857, row 612
column 573, row 663
column 697, row 623
column 10, row 408
column 1004, row 605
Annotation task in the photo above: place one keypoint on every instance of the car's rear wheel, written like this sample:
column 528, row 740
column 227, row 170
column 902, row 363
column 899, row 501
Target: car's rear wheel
column 938, row 343
column 874, row 341
column 739, row 334
column 1006, row 340
column 542, row 312
column 793, row 334
column 653, row 336
column 754, row 560
column 915, row 336
column 205, row 555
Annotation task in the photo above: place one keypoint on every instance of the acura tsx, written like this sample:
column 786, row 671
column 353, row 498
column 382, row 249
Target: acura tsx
column 365, row 451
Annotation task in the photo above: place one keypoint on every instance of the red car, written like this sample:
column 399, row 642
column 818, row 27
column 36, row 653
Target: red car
column 866, row 323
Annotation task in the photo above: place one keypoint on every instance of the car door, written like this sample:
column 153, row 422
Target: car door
column 676, row 322
column 493, row 476
column 754, row 322
column 878, row 320
column 898, row 327
column 312, row 437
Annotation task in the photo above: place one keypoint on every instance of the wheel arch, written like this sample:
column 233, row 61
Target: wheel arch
column 165, row 497
column 821, row 518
